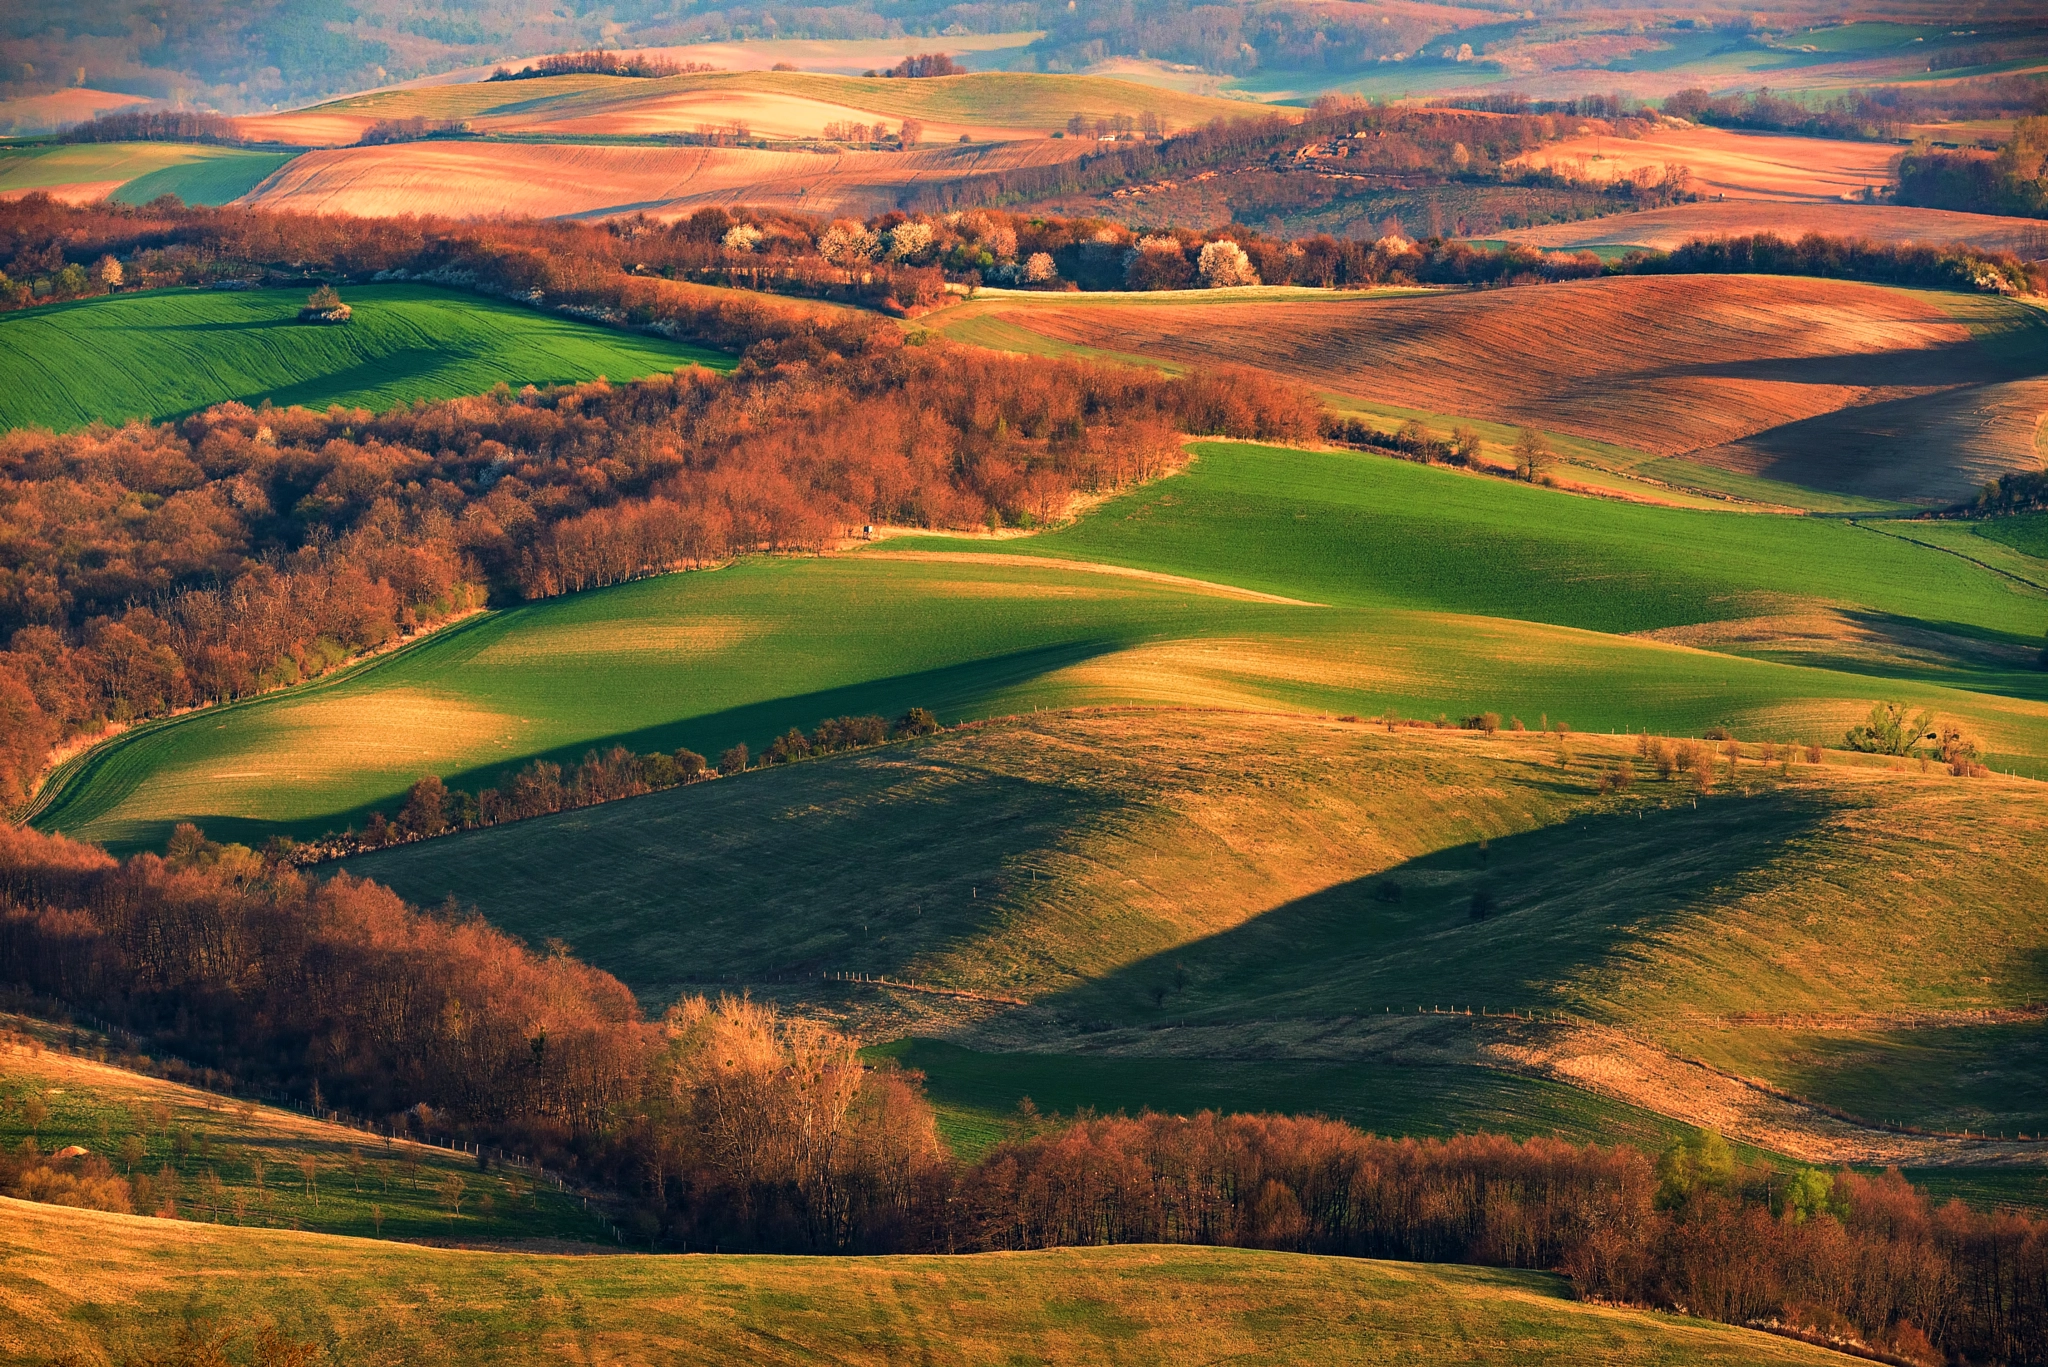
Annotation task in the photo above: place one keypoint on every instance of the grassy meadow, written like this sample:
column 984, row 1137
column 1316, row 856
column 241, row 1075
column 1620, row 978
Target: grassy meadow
column 237, row 1163
column 1409, row 588
column 79, row 1281
column 137, row 172
column 162, row 353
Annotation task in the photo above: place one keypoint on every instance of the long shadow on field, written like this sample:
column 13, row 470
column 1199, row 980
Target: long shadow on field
column 1559, row 901
column 953, row 691
column 864, row 863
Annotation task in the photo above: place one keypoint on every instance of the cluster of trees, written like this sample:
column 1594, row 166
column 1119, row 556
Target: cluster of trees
column 431, row 808
column 156, row 125
column 1951, row 267
column 922, row 66
column 1403, row 144
column 729, row 1124
column 2013, row 180
column 1854, row 115
column 148, row 568
column 601, row 63
column 1224, row 38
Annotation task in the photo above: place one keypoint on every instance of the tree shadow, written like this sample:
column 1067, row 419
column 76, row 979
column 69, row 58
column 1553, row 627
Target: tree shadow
column 1590, row 893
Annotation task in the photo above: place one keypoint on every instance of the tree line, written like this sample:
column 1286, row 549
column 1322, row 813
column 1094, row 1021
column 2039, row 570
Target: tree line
column 728, row 1124
column 149, row 568
column 431, row 808
column 2014, row 180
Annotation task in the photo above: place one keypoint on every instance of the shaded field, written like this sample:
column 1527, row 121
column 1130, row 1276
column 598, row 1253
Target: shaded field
column 1181, row 886
column 243, row 1164
column 154, row 355
column 469, row 179
column 1665, row 229
column 977, row 1095
column 136, row 172
column 1728, row 162
column 1444, row 593
column 80, row 1280
column 1854, row 389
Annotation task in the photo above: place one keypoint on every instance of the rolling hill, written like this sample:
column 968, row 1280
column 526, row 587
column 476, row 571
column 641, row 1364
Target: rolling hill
column 1728, row 164
column 136, row 172
column 1140, row 1304
column 1857, row 390
column 476, row 179
column 1226, row 874
column 253, row 1166
column 1663, row 229
column 158, row 354
column 989, row 106
column 1413, row 588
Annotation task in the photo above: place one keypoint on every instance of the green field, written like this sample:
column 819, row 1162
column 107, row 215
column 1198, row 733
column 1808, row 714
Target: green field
column 141, row 170
column 241, row 1163
column 1438, row 592
column 103, row 1284
column 158, row 354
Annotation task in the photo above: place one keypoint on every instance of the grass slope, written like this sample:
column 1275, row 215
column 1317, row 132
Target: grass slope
column 239, row 1163
column 78, row 1280
column 1223, row 873
column 154, row 355
column 1442, row 592
column 137, row 172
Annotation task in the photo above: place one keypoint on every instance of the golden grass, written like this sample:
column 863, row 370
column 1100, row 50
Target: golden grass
column 1664, row 229
column 83, row 1281
column 325, row 736
column 472, row 179
column 1043, row 562
column 1740, row 165
column 598, row 641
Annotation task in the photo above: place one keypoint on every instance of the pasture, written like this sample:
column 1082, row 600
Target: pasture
column 1416, row 589
column 254, row 1166
column 136, row 172
column 158, row 354
column 86, row 1282
column 1859, row 391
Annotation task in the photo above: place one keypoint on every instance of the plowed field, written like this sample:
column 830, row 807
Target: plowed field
column 1664, row 229
column 1739, row 165
column 990, row 106
column 478, row 180
column 1828, row 384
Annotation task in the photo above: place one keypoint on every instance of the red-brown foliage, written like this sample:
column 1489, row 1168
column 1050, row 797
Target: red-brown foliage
column 148, row 568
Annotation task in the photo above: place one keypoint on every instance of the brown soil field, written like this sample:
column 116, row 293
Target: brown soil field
column 1664, row 229
column 1828, row 384
column 478, row 180
column 47, row 113
column 767, row 114
column 1738, row 165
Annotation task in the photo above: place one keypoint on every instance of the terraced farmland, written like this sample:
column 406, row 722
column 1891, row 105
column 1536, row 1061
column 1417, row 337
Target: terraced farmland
column 157, row 354
column 1140, row 1304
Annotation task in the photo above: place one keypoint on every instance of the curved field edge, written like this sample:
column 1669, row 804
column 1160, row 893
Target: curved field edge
column 83, row 1281
column 1794, row 627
